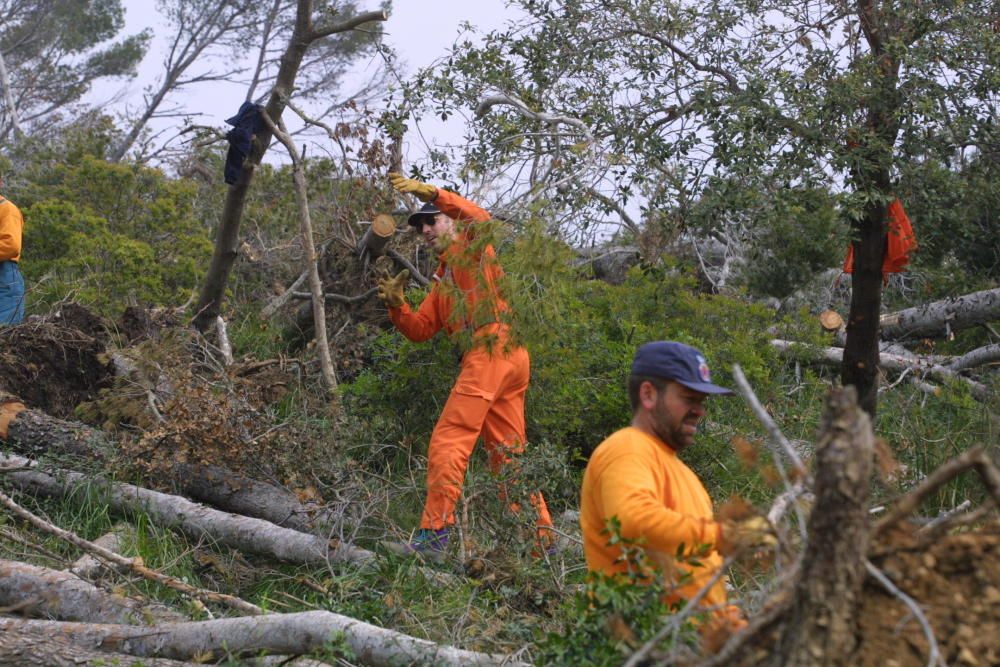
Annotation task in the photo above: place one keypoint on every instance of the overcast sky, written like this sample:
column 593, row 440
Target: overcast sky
column 419, row 31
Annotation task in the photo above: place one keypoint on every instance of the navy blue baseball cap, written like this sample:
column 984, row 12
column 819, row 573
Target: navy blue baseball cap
column 428, row 210
column 676, row 361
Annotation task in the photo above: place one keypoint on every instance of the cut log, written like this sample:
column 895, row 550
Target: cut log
column 39, row 591
column 831, row 320
column 377, row 236
column 940, row 318
column 276, row 633
column 246, row 534
column 821, row 623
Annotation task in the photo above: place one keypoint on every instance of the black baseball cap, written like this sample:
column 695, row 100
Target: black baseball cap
column 427, row 210
column 678, row 362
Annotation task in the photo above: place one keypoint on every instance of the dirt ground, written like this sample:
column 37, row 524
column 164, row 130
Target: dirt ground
column 57, row 362
column 956, row 580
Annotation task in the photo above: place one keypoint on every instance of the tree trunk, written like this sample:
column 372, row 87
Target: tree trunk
column 860, row 364
column 821, row 623
column 42, row 648
column 196, row 521
column 899, row 363
column 275, row 633
column 214, row 287
column 39, row 591
column 309, row 250
column 34, row 433
column 9, row 102
column 940, row 318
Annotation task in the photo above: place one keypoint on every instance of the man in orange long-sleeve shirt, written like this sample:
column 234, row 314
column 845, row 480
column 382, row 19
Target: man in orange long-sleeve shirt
column 11, row 282
column 488, row 396
column 636, row 477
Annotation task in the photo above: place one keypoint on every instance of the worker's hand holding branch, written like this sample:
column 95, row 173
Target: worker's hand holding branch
column 747, row 533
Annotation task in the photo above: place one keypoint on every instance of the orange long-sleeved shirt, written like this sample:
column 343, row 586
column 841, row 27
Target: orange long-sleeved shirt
column 11, row 228
column 639, row 479
column 472, row 274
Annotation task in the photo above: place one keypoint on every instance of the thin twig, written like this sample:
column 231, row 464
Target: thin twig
column 934, row 658
column 944, row 516
column 972, row 458
column 778, row 440
column 414, row 273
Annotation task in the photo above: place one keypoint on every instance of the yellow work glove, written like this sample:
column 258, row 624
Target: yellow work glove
column 390, row 290
column 748, row 533
column 422, row 191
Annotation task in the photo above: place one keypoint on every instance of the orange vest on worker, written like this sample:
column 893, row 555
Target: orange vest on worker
column 11, row 229
column 465, row 294
column 900, row 242
column 638, row 479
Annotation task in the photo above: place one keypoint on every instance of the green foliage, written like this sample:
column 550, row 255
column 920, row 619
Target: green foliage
column 614, row 615
column 954, row 214
column 110, row 235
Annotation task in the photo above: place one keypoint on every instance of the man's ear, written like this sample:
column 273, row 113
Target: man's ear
column 648, row 395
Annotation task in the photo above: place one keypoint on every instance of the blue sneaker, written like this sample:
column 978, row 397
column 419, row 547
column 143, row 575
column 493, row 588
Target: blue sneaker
column 428, row 539
column 427, row 543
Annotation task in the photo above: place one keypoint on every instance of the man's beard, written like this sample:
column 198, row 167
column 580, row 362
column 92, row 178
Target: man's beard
column 672, row 434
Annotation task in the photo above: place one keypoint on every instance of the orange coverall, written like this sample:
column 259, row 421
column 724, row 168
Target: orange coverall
column 638, row 478
column 488, row 396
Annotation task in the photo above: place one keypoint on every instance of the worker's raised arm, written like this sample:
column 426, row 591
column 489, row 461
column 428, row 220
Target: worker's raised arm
column 458, row 207
column 421, row 324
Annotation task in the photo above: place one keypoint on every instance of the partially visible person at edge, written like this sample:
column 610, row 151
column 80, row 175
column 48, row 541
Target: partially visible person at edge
column 487, row 398
column 636, row 477
column 11, row 282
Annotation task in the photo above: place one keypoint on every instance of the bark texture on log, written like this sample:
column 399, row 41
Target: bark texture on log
column 38, row 648
column 34, row 433
column 821, row 623
column 249, row 535
column 39, row 591
column 894, row 362
column 275, row 633
column 937, row 319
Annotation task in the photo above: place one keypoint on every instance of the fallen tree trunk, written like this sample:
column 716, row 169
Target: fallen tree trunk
column 275, row 633
column 940, row 319
column 33, row 433
column 246, row 534
column 894, row 362
column 39, row 591
column 41, row 648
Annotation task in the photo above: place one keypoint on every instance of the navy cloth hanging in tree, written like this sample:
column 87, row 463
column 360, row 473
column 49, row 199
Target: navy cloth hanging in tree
column 246, row 123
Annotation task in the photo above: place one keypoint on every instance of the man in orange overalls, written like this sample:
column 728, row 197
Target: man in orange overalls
column 488, row 397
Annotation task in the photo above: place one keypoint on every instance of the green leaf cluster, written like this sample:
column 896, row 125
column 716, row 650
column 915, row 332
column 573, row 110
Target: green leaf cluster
column 110, row 235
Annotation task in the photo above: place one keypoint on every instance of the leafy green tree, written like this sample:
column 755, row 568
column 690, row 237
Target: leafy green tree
column 611, row 106
column 110, row 235
column 53, row 50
